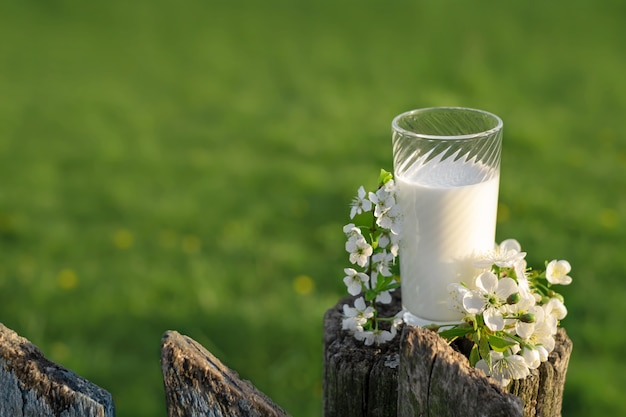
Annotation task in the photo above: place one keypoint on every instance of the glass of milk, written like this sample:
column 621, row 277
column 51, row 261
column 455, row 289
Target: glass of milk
column 447, row 171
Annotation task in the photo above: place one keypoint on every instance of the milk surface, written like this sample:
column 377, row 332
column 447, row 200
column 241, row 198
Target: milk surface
column 449, row 215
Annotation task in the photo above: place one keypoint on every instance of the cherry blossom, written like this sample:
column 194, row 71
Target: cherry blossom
column 371, row 337
column 355, row 317
column 504, row 367
column 354, row 280
column 360, row 203
column 505, row 255
column 383, row 262
column 490, row 294
column 556, row 272
column 359, row 250
column 555, row 308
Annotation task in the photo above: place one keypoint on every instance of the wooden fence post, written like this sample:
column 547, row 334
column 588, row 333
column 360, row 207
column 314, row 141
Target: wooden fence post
column 359, row 381
column 419, row 374
column 31, row 385
column 435, row 380
column 198, row 384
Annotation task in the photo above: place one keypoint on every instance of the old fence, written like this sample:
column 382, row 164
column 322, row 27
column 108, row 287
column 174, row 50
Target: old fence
column 417, row 375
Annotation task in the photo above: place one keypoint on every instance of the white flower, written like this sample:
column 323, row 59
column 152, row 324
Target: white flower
column 524, row 329
column 555, row 308
column 390, row 188
column 505, row 255
column 387, row 212
column 510, row 245
column 384, row 239
column 354, row 280
column 493, row 318
column 532, row 357
column 382, row 262
column 540, row 334
column 383, row 200
column 543, row 353
column 359, row 250
column 351, row 230
column 394, row 249
column 556, row 272
column 504, row 368
column 456, row 293
column 390, row 219
column 355, row 317
column 520, row 269
column 527, row 296
column 397, row 321
column 490, row 294
column 360, row 203
column 374, row 336
column 525, row 304
column 380, row 336
column 389, row 239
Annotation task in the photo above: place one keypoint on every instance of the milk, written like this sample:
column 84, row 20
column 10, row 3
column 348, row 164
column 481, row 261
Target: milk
column 449, row 213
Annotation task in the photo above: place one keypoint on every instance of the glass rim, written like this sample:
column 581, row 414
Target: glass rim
column 397, row 128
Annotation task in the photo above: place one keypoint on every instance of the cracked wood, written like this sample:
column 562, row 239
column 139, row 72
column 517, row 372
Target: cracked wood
column 31, row 385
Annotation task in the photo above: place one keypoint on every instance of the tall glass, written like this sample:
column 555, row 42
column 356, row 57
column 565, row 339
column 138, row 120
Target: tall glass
column 447, row 171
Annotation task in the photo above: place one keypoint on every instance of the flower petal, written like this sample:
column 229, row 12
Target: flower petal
column 517, row 367
column 353, row 285
column 556, row 308
column 506, row 287
column 493, row 319
column 473, row 302
column 510, row 244
column 524, row 330
column 532, row 358
column 488, row 282
column 384, row 297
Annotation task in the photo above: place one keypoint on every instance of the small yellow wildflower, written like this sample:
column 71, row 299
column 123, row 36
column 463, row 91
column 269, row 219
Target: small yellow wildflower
column 303, row 284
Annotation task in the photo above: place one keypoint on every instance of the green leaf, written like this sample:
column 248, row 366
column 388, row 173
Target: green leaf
column 380, row 283
column 384, row 177
column 474, row 356
column 499, row 343
column 479, row 322
column 391, row 286
column 455, row 332
column 370, row 295
column 385, row 281
column 484, row 350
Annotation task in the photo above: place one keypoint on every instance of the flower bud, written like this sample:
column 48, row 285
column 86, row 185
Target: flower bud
column 513, row 298
column 527, row 318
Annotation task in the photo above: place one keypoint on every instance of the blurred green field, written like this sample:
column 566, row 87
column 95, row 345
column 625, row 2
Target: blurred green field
column 189, row 166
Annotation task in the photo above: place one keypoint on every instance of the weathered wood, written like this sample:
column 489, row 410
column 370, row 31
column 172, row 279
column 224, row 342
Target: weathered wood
column 433, row 378
column 358, row 380
column 542, row 391
column 31, row 385
column 436, row 380
column 198, row 384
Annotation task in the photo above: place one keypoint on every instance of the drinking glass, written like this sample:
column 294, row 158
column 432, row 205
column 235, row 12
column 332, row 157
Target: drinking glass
column 447, row 170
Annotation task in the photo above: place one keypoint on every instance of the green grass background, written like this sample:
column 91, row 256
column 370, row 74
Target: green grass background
column 189, row 165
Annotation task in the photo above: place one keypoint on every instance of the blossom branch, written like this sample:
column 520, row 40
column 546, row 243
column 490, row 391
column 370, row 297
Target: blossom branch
column 369, row 251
